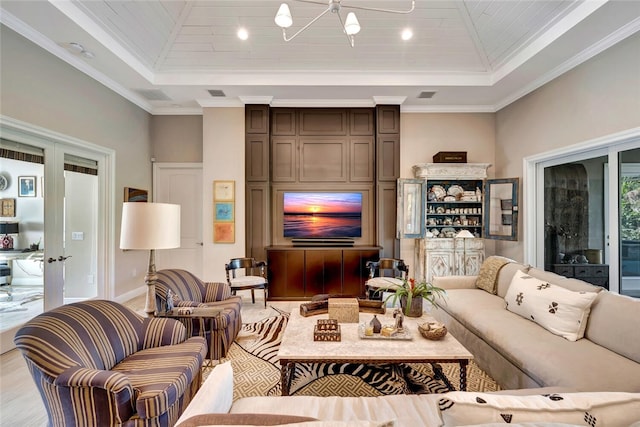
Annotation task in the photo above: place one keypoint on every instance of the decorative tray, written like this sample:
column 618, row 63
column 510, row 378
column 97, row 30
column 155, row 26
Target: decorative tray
column 405, row 335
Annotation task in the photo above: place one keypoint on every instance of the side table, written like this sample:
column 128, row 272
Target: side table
column 201, row 314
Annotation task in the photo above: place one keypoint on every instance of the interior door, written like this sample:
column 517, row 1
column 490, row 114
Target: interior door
column 181, row 184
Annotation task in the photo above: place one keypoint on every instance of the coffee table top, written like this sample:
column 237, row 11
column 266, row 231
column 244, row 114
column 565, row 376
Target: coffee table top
column 298, row 344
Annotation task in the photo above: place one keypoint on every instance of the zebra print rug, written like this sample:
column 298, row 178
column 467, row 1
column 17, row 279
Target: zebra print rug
column 257, row 372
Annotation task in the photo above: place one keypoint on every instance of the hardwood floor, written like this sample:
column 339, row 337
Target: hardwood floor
column 20, row 402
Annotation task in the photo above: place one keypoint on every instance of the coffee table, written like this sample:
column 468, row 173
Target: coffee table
column 298, row 346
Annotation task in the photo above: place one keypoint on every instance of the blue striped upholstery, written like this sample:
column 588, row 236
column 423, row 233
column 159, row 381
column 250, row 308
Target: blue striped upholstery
column 190, row 291
column 97, row 363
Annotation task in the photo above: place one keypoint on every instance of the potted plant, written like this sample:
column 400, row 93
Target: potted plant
column 412, row 293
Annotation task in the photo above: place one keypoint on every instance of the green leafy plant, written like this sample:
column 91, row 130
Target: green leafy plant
column 411, row 289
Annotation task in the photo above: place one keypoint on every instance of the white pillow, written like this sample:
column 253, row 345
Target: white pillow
column 214, row 396
column 559, row 310
column 584, row 409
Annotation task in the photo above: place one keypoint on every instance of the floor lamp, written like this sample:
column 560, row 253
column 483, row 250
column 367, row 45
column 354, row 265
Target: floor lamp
column 150, row 226
column 464, row 235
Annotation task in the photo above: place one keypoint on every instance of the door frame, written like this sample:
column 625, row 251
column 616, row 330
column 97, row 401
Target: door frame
column 533, row 192
column 35, row 135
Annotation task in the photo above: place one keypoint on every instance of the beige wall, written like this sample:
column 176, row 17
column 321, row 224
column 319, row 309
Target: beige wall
column 42, row 90
column 177, row 139
column 223, row 159
column 424, row 134
column 597, row 98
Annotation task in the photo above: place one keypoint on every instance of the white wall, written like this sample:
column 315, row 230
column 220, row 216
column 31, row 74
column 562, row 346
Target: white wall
column 222, row 159
column 598, row 98
column 42, row 90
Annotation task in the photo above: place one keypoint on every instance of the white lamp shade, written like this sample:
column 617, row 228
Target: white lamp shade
column 283, row 17
column 351, row 25
column 150, row 226
column 464, row 234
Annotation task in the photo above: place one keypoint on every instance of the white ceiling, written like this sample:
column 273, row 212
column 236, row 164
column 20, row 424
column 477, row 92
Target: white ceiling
column 477, row 55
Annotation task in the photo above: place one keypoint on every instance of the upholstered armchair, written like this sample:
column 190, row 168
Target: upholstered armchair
column 190, row 291
column 98, row 363
column 385, row 273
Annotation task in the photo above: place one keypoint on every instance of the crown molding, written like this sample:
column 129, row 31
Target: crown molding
column 323, row 103
column 256, row 100
column 177, row 111
column 389, row 100
column 448, row 109
column 220, row 103
column 582, row 57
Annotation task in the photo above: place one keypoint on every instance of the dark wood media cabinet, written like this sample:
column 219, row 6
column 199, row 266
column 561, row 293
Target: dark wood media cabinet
column 298, row 273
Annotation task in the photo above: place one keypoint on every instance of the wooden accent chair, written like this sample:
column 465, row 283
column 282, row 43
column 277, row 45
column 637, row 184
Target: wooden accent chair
column 247, row 273
column 189, row 291
column 98, row 363
column 384, row 273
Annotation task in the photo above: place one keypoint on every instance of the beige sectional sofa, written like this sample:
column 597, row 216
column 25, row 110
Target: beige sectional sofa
column 518, row 353
column 214, row 405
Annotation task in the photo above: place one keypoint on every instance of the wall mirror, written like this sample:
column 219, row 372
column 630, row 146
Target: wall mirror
column 410, row 214
column 501, row 209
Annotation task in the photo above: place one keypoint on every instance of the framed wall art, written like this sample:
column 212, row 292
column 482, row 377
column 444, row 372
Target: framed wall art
column 135, row 195
column 26, row 186
column 224, row 195
column 8, row 207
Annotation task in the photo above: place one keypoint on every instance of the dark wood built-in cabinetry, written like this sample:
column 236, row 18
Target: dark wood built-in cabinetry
column 321, row 149
column 300, row 273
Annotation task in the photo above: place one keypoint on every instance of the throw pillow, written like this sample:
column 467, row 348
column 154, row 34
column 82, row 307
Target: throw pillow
column 558, row 310
column 593, row 409
column 488, row 274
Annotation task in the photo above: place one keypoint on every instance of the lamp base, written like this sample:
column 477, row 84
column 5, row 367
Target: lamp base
column 6, row 242
column 150, row 280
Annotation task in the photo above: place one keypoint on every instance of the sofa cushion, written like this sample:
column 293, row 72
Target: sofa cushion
column 614, row 319
column 599, row 409
column 550, row 360
column 161, row 375
column 242, row 419
column 559, row 310
column 505, row 276
column 567, row 283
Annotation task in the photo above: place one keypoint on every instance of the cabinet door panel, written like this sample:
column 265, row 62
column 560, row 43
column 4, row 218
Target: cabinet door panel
column 257, row 119
column 283, row 121
column 257, row 157
column 323, row 121
column 361, row 159
column 283, row 152
column 286, row 273
column 439, row 263
column 323, row 160
column 355, row 271
column 323, row 273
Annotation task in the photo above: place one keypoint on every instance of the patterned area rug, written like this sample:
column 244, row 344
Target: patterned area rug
column 257, row 371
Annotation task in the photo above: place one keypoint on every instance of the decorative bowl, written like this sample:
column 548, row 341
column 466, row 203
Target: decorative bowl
column 432, row 330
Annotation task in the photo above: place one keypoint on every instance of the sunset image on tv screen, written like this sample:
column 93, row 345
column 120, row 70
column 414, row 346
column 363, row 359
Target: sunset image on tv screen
column 318, row 215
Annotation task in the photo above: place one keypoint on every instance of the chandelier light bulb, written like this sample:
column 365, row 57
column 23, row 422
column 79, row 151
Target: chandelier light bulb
column 351, row 25
column 283, row 18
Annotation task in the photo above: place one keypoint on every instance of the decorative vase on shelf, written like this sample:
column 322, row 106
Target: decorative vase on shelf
column 415, row 310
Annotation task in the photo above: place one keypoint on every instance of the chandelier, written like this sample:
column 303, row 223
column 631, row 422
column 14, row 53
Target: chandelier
column 350, row 25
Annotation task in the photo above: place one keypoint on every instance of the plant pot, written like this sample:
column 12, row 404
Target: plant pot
column 415, row 310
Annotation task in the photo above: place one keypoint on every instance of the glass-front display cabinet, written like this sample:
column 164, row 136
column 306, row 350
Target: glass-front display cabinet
column 457, row 208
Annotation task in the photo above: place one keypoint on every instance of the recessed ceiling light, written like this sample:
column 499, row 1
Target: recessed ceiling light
column 78, row 49
column 243, row 34
column 407, row 34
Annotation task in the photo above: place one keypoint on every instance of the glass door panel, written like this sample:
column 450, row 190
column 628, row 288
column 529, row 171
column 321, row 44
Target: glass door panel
column 22, row 249
column 574, row 219
column 80, row 246
column 629, row 205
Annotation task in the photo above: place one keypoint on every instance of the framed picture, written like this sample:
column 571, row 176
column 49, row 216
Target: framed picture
column 27, row 186
column 224, row 211
column 135, row 195
column 8, row 207
column 224, row 190
column 223, row 232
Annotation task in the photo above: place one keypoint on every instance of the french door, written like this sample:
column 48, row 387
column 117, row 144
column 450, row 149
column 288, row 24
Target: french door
column 587, row 212
column 68, row 216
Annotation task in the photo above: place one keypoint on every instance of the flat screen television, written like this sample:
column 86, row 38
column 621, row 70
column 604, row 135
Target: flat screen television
column 322, row 214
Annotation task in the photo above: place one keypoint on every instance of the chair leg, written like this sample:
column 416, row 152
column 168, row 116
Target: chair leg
column 253, row 297
column 265, row 297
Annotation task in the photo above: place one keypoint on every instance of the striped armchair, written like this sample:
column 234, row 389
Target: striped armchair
column 190, row 291
column 98, row 363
